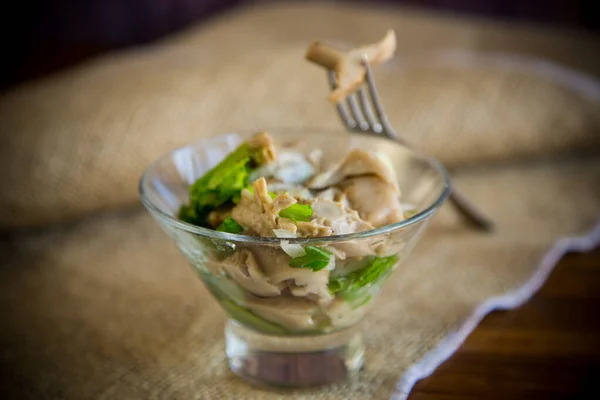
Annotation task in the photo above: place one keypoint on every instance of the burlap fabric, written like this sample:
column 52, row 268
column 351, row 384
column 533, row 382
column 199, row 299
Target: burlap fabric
column 105, row 307
column 77, row 142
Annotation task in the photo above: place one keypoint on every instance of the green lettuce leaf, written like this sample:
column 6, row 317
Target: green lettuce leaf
column 353, row 285
column 249, row 319
column 230, row 225
column 223, row 183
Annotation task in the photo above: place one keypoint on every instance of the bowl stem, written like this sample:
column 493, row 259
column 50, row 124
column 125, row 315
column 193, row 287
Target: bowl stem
column 293, row 361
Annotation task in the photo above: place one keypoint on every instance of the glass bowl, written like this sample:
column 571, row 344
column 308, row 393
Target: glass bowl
column 293, row 327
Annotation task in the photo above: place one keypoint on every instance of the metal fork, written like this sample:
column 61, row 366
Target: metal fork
column 358, row 115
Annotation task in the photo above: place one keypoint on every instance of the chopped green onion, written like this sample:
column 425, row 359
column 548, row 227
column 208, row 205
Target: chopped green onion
column 297, row 212
column 315, row 259
column 230, row 225
column 251, row 320
column 334, row 286
column 350, row 286
column 360, row 302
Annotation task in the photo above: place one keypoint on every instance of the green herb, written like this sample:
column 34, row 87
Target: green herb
column 221, row 184
column 251, row 320
column 230, row 225
column 334, row 285
column 411, row 213
column 189, row 215
column 351, row 286
column 360, row 302
column 250, row 188
column 231, row 298
column 315, row 259
column 297, row 212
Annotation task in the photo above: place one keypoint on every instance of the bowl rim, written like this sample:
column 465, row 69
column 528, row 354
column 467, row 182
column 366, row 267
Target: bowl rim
column 234, row 237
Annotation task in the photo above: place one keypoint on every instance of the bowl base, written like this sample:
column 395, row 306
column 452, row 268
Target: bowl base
column 293, row 361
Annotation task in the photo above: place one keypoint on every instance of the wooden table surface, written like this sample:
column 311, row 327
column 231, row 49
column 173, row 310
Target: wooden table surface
column 547, row 349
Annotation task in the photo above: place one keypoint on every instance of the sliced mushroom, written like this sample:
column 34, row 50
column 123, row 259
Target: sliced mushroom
column 295, row 313
column 358, row 162
column 291, row 167
column 295, row 190
column 244, row 270
column 315, row 157
column 344, row 221
column 342, row 314
column 259, row 213
column 350, row 72
column 356, row 247
column 275, row 264
column 314, row 228
column 374, row 199
column 264, row 143
column 329, row 194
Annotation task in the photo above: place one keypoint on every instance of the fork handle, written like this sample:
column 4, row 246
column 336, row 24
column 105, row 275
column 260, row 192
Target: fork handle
column 469, row 211
column 466, row 208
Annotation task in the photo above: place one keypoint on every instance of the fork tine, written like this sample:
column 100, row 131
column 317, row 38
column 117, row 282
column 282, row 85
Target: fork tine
column 357, row 113
column 462, row 203
column 376, row 100
column 365, row 104
column 342, row 110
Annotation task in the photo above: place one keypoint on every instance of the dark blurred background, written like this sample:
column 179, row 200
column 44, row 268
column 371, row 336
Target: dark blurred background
column 44, row 36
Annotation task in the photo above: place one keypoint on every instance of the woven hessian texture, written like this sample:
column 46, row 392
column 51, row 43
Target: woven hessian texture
column 108, row 309
column 105, row 307
column 78, row 142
